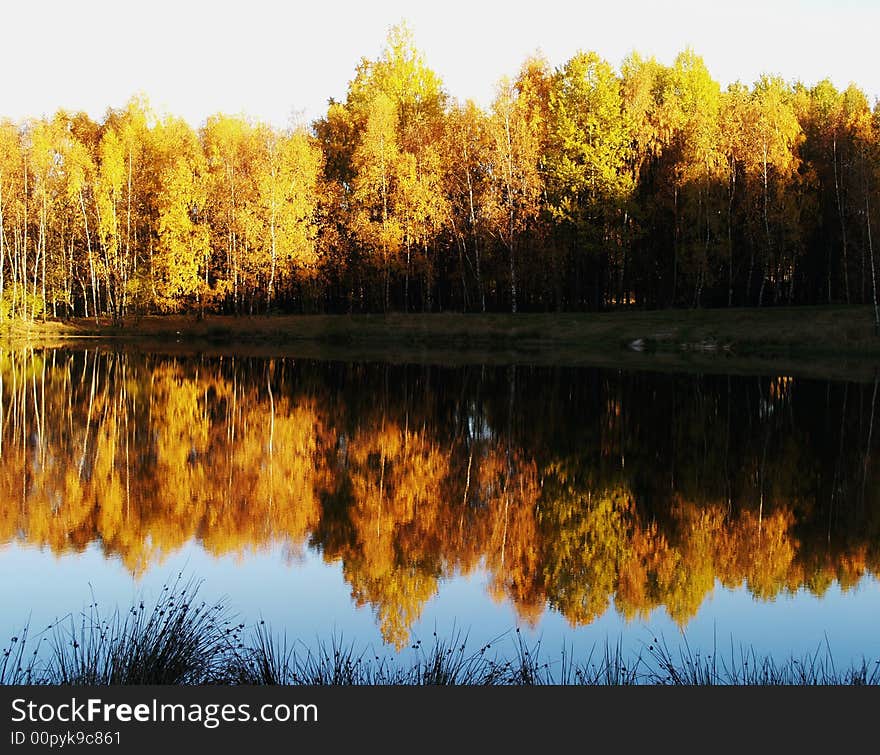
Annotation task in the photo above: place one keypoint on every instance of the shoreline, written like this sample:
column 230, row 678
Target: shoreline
column 834, row 342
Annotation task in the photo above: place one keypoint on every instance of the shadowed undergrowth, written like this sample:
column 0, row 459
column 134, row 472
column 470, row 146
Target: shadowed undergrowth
column 181, row 640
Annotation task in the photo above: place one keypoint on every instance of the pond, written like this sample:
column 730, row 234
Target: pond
column 380, row 502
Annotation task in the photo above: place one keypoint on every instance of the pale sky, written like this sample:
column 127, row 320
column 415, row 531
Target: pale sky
column 270, row 59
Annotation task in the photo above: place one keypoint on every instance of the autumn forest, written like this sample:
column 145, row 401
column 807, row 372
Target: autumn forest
column 582, row 187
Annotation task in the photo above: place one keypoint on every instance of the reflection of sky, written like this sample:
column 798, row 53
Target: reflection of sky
column 310, row 601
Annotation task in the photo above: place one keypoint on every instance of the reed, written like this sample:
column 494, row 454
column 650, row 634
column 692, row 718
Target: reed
column 182, row 640
column 177, row 640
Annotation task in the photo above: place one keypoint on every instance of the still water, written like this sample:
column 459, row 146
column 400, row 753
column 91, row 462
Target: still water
column 382, row 502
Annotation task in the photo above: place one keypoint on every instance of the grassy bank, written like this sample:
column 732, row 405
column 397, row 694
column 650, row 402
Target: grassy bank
column 181, row 640
column 833, row 342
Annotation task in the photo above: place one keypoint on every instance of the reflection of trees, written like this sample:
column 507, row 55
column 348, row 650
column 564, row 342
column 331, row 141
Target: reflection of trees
column 574, row 489
column 144, row 459
column 394, row 478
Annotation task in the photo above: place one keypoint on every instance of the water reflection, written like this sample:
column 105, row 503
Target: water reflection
column 575, row 489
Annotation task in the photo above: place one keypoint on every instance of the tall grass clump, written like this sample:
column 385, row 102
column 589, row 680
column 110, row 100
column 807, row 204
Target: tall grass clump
column 744, row 667
column 450, row 662
column 610, row 668
column 274, row 660
column 178, row 640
